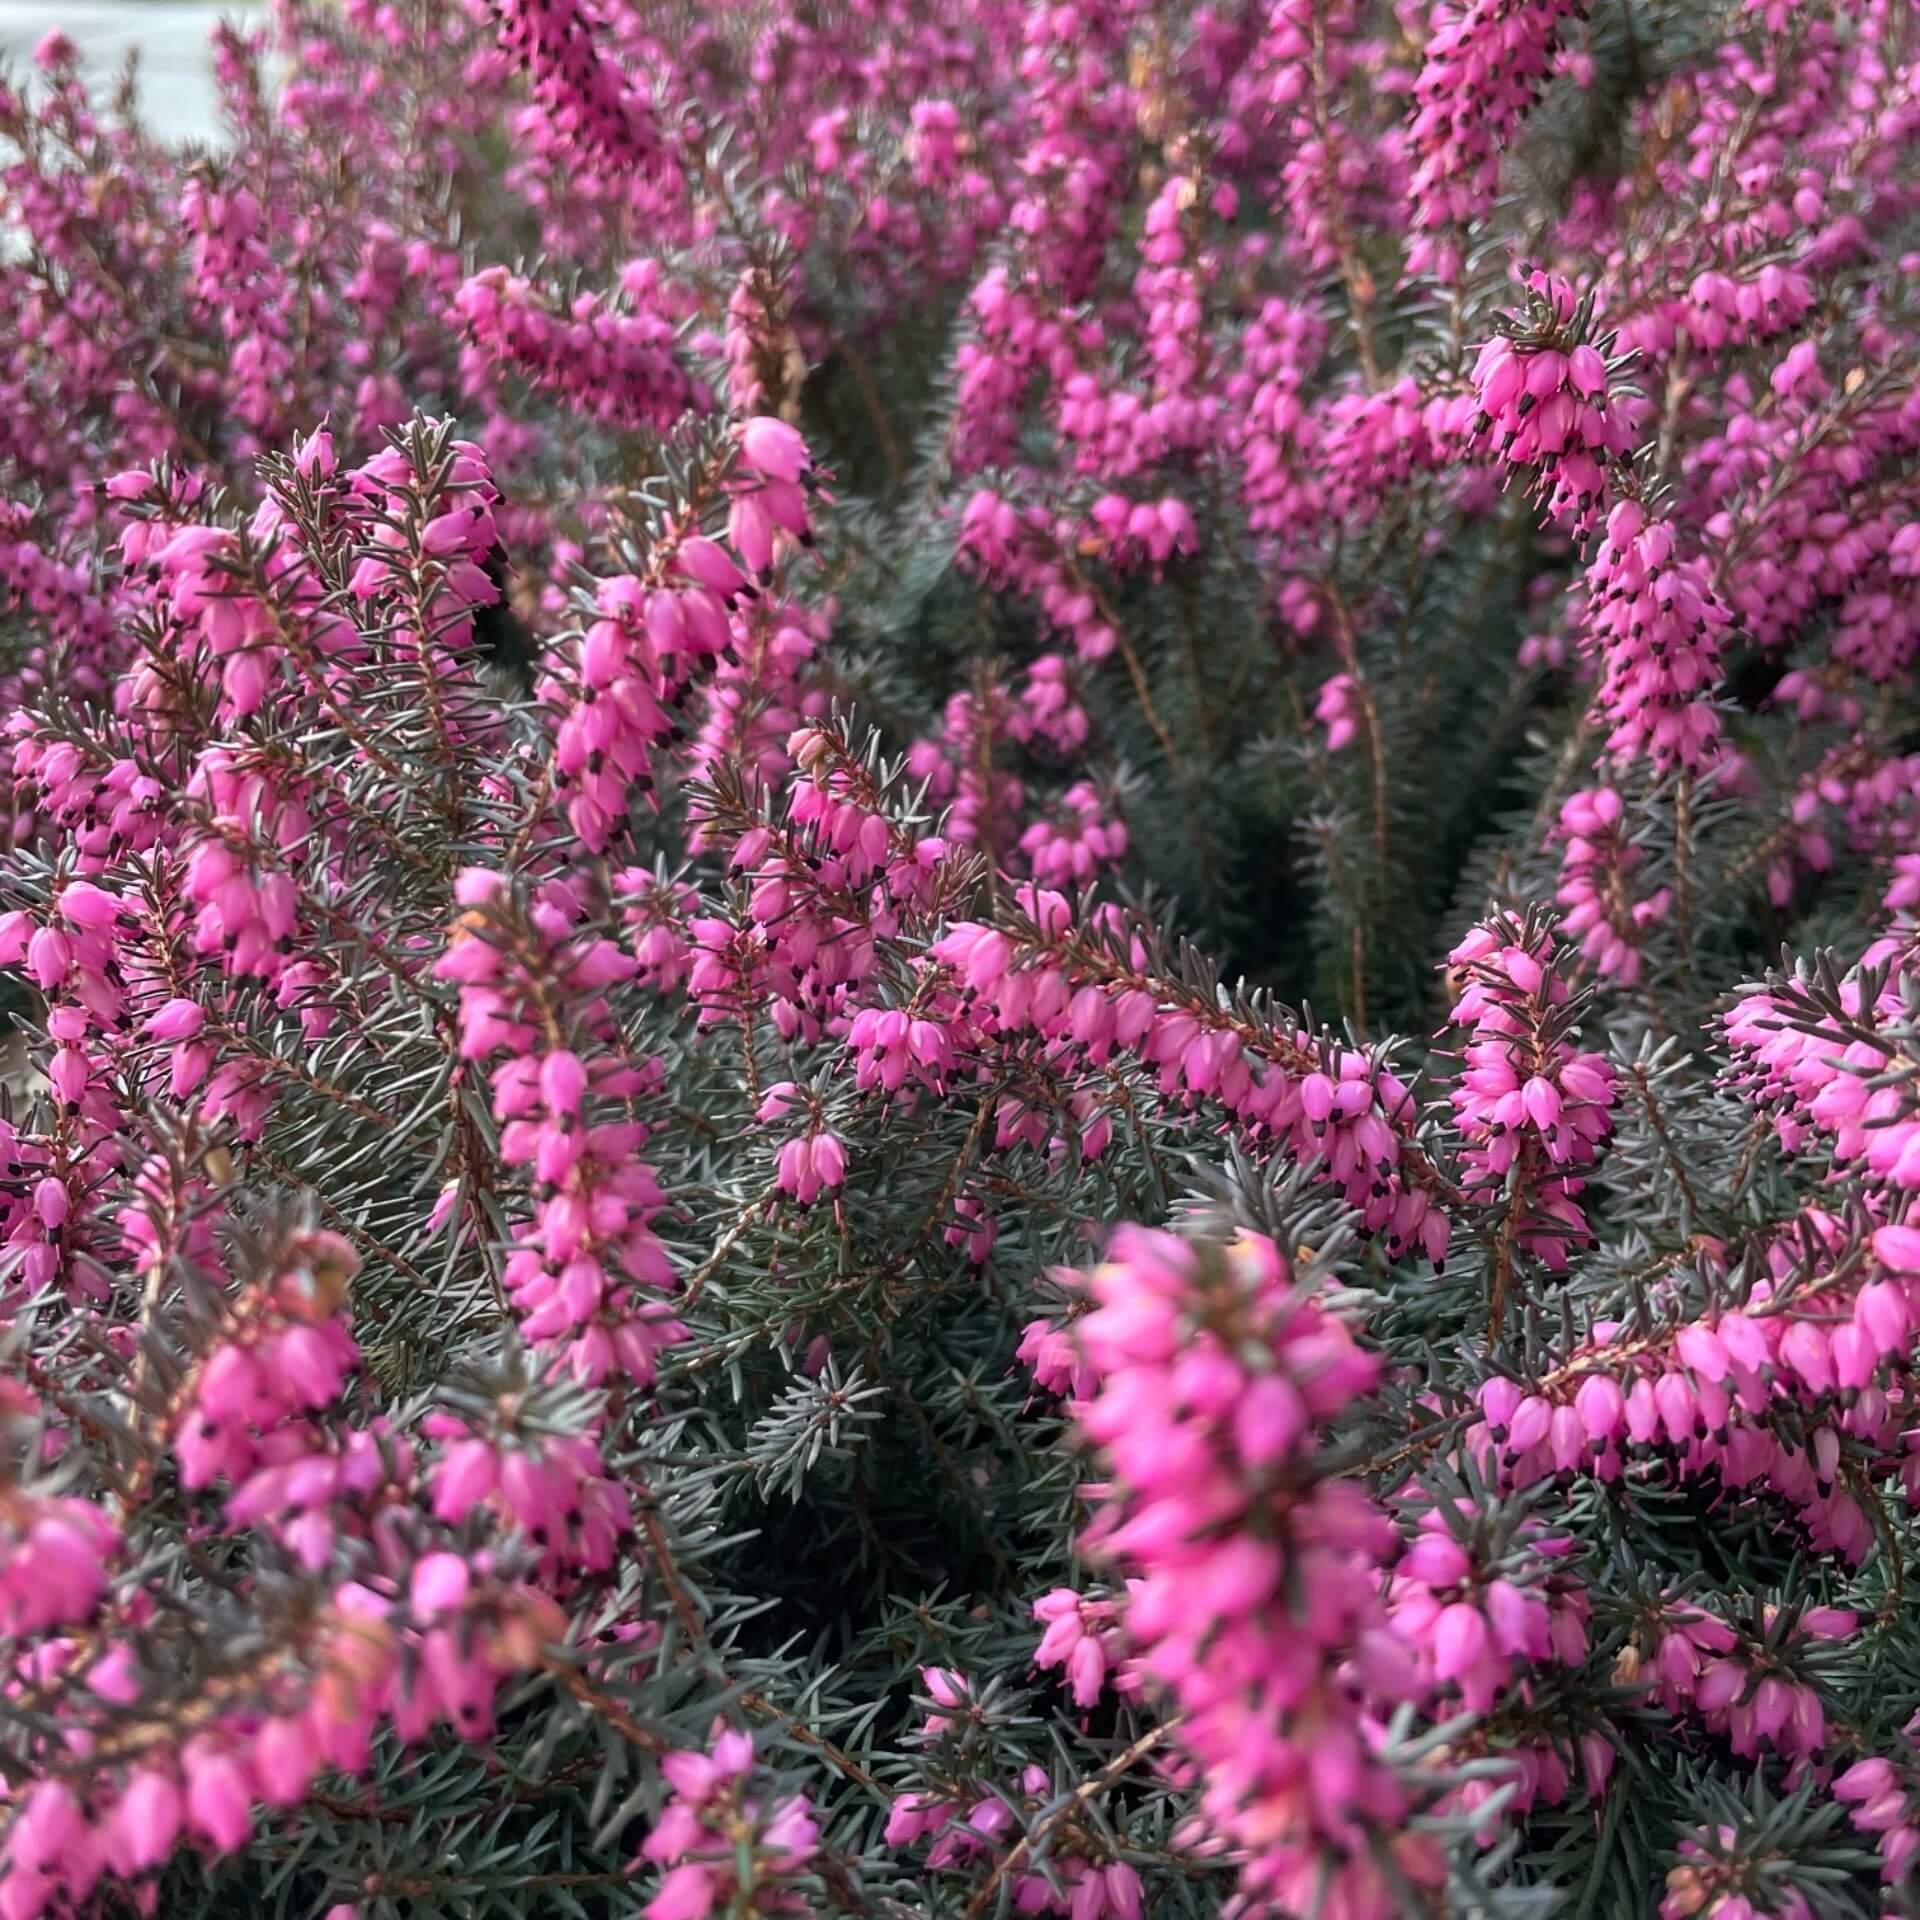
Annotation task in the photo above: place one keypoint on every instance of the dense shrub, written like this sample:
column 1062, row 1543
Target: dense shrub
column 880, row 876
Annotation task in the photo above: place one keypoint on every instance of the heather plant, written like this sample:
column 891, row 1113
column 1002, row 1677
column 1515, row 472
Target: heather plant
column 970, row 965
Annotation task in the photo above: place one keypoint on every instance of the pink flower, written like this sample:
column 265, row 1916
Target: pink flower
column 686, row 1893
column 146, row 1822
column 218, row 1800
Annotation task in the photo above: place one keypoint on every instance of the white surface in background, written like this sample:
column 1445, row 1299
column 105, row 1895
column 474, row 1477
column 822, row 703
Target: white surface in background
column 176, row 72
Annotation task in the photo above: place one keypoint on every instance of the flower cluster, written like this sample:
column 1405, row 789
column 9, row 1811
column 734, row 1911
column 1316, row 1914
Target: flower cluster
column 1658, row 629
column 712, row 1826
column 1256, row 1571
column 1527, row 1102
column 1542, row 390
column 1480, row 70
column 614, row 361
column 588, row 1276
column 685, row 695
column 1611, row 917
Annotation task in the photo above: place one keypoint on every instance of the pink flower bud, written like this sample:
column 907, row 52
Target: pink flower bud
column 1541, row 1098
column 1459, row 1640
column 177, row 1020
column 563, row 1083
column 1898, row 1248
column 1530, row 1424
column 1881, row 1312
column 439, row 1585
column 1601, row 1405
column 92, row 908
column 147, row 1821
column 219, row 1806
column 50, row 1202
column 687, row 1892
column 773, row 448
